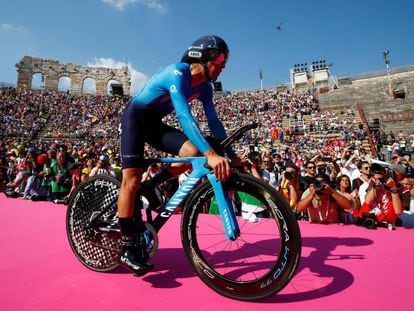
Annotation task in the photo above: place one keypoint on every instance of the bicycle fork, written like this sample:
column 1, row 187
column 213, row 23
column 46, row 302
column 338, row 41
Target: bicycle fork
column 201, row 169
column 228, row 217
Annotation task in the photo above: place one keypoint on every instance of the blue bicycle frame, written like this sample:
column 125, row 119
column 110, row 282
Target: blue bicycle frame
column 199, row 170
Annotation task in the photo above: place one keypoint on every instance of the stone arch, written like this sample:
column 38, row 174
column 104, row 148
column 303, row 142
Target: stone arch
column 64, row 84
column 37, row 80
column 89, row 85
column 109, row 83
column 53, row 70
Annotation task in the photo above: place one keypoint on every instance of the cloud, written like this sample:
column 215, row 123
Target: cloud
column 11, row 28
column 138, row 79
column 152, row 4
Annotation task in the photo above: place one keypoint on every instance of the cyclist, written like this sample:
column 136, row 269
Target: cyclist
column 171, row 89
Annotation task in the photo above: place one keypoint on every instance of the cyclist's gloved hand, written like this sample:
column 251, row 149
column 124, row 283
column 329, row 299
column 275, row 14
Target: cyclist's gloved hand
column 220, row 165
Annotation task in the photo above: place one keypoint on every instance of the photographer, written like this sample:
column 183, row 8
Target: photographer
column 322, row 202
column 289, row 185
column 254, row 163
column 382, row 201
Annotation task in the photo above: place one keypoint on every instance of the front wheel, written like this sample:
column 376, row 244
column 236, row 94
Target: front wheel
column 263, row 258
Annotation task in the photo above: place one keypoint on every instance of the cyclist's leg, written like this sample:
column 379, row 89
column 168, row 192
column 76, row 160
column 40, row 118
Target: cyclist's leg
column 171, row 140
column 132, row 130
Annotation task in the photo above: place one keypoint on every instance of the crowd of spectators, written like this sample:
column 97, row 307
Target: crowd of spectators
column 52, row 141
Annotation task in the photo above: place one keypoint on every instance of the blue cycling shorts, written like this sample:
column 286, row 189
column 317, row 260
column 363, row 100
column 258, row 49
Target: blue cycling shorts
column 140, row 126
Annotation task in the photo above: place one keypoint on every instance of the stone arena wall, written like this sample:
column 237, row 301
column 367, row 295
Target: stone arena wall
column 376, row 95
column 53, row 70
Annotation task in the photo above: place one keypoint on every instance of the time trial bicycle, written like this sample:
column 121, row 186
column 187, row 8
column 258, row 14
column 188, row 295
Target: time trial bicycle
column 236, row 256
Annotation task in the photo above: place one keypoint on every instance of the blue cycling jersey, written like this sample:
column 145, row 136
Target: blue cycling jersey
column 170, row 89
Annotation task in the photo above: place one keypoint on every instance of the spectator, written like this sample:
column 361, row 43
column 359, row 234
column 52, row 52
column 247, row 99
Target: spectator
column 102, row 167
column 290, row 186
column 278, row 163
column 344, row 188
column 23, row 170
column 406, row 162
column 269, row 173
column 350, row 161
column 87, row 169
column 382, row 201
column 76, row 179
column 361, row 183
column 61, row 178
column 11, row 166
column 309, row 177
column 34, row 182
column 251, row 208
column 116, row 166
column 152, row 169
column 406, row 218
column 395, row 158
column 47, row 175
column 322, row 202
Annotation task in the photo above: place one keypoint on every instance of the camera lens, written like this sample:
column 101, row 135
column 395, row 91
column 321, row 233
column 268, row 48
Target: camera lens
column 318, row 185
column 369, row 221
column 289, row 175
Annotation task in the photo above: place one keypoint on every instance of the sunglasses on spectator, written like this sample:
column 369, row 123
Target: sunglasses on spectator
column 310, row 167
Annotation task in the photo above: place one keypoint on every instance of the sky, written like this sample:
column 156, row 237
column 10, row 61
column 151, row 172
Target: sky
column 148, row 35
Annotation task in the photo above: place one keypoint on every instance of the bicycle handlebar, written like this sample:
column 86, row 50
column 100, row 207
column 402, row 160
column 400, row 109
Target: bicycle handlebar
column 237, row 134
column 224, row 143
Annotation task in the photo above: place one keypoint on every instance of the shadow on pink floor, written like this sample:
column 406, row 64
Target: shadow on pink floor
column 342, row 267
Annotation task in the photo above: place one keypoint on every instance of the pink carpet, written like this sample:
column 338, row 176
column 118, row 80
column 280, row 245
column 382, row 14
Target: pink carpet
column 342, row 268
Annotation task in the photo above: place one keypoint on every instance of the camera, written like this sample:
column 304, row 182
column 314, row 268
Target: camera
column 369, row 221
column 289, row 175
column 254, row 157
column 383, row 171
column 321, row 170
column 378, row 169
column 304, row 184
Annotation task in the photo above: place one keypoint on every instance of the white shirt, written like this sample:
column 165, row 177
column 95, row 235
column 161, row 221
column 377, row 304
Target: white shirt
column 362, row 192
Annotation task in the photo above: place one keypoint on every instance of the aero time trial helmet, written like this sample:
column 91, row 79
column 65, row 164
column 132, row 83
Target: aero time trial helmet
column 205, row 49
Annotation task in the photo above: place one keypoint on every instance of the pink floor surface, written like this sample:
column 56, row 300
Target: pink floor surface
column 342, row 268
